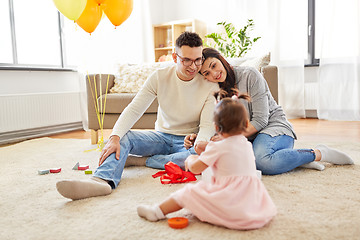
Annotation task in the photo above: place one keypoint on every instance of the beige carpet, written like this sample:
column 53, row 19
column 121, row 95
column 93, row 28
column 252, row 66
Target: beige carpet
column 311, row 204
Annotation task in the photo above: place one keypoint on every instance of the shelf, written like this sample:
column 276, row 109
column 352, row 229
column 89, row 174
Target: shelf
column 166, row 34
column 164, row 48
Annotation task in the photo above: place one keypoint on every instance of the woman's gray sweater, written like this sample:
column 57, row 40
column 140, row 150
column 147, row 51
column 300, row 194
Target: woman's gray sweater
column 264, row 113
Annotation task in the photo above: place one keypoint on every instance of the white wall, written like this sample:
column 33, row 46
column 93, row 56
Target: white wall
column 30, row 82
column 209, row 11
column 214, row 11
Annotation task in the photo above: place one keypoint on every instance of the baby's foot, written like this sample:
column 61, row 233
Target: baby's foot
column 313, row 165
column 150, row 213
column 334, row 156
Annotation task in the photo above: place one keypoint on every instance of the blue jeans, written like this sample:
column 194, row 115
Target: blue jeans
column 161, row 148
column 275, row 155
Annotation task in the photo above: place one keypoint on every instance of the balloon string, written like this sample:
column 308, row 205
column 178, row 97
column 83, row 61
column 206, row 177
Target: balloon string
column 100, row 115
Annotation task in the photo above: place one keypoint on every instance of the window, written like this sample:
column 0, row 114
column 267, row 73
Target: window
column 31, row 38
column 311, row 60
column 6, row 53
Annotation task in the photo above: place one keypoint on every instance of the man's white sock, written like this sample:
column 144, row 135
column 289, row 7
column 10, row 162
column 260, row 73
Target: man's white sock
column 334, row 156
column 79, row 189
column 151, row 213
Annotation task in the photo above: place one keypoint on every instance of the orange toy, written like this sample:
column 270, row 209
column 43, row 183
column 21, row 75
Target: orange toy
column 178, row 222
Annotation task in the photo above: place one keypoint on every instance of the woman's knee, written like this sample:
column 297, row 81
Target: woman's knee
column 264, row 164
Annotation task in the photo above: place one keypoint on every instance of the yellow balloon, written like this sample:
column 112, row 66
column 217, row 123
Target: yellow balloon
column 117, row 11
column 90, row 17
column 71, row 9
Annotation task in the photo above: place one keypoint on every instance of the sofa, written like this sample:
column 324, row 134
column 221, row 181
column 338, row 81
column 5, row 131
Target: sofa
column 117, row 102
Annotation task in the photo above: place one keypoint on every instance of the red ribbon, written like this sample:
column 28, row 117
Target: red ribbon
column 174, row 174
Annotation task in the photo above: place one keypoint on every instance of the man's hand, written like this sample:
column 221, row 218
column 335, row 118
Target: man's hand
column 189, row 140
column 113, row 145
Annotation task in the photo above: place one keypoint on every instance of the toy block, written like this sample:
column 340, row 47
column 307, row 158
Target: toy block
column 83, row 167
column 43, row 172
column 88, row 171
column 55, row 170
column 76, row 166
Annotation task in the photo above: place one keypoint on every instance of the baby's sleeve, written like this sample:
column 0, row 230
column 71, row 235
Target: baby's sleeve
column 210, row 155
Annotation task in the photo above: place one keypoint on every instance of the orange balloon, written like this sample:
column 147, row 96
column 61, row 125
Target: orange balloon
column 117, row 11
column 90, row 17
column 99, row 1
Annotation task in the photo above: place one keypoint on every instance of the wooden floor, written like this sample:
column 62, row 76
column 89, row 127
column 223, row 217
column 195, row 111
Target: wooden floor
column 306, row 129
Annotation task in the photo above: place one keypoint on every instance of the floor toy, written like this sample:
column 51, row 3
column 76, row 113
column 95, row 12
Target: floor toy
column 88, row 171
column 178, row 222
column 76, row 166
column 55, row 170
column 43, row 172
column 83, row 167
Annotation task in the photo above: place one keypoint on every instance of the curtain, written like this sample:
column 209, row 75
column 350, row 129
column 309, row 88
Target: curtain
column 288, row 28
column 339, row 72
column 282, row 25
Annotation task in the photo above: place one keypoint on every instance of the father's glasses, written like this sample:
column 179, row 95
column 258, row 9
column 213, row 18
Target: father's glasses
column 188, row 62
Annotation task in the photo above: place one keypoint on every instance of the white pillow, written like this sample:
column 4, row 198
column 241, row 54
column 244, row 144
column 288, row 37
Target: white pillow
column 130, row 78
column 256, row 62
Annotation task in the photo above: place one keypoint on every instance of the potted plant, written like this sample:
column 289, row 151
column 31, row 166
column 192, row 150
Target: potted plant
column 233, row 43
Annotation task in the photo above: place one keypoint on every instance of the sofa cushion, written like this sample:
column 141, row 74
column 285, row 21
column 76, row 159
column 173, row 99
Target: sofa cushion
column 116, row 103
column 130, row 77
column 256, row 62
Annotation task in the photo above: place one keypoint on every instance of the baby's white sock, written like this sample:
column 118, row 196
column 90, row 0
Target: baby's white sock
column 151, row 213
column 334, row 156
column 79, row 189
column 313, row 165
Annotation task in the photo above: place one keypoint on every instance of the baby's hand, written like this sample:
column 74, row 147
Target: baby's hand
column 200, row 147
column 189, row 140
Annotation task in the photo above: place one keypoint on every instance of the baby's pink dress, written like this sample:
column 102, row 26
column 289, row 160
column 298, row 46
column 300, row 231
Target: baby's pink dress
column 236, row 198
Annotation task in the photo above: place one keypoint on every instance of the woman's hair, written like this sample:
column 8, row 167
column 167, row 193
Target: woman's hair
column 229, row 84
column 230, row 115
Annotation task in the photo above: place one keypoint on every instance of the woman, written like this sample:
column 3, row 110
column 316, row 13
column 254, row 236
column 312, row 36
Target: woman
column 271, row 134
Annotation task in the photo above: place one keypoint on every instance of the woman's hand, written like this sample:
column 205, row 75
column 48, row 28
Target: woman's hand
column 113, row 145
column 250, row 130
column 189, row 140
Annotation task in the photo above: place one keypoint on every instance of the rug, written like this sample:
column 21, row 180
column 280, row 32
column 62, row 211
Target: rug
column 311, row 204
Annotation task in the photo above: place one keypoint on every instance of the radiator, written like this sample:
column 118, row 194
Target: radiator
column 36, row 111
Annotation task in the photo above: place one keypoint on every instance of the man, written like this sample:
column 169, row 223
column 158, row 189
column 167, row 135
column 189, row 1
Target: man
column 186, row 105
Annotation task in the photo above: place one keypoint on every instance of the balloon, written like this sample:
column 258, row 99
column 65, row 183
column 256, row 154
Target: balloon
column 90, row 17
column 71, row 9
column 99, row 1
column 117, row 11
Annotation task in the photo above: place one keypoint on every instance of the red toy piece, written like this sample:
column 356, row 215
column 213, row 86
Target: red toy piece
column 83, row 167
column 55, row 170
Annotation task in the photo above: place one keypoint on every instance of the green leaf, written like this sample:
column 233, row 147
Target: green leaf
column 234, row 43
